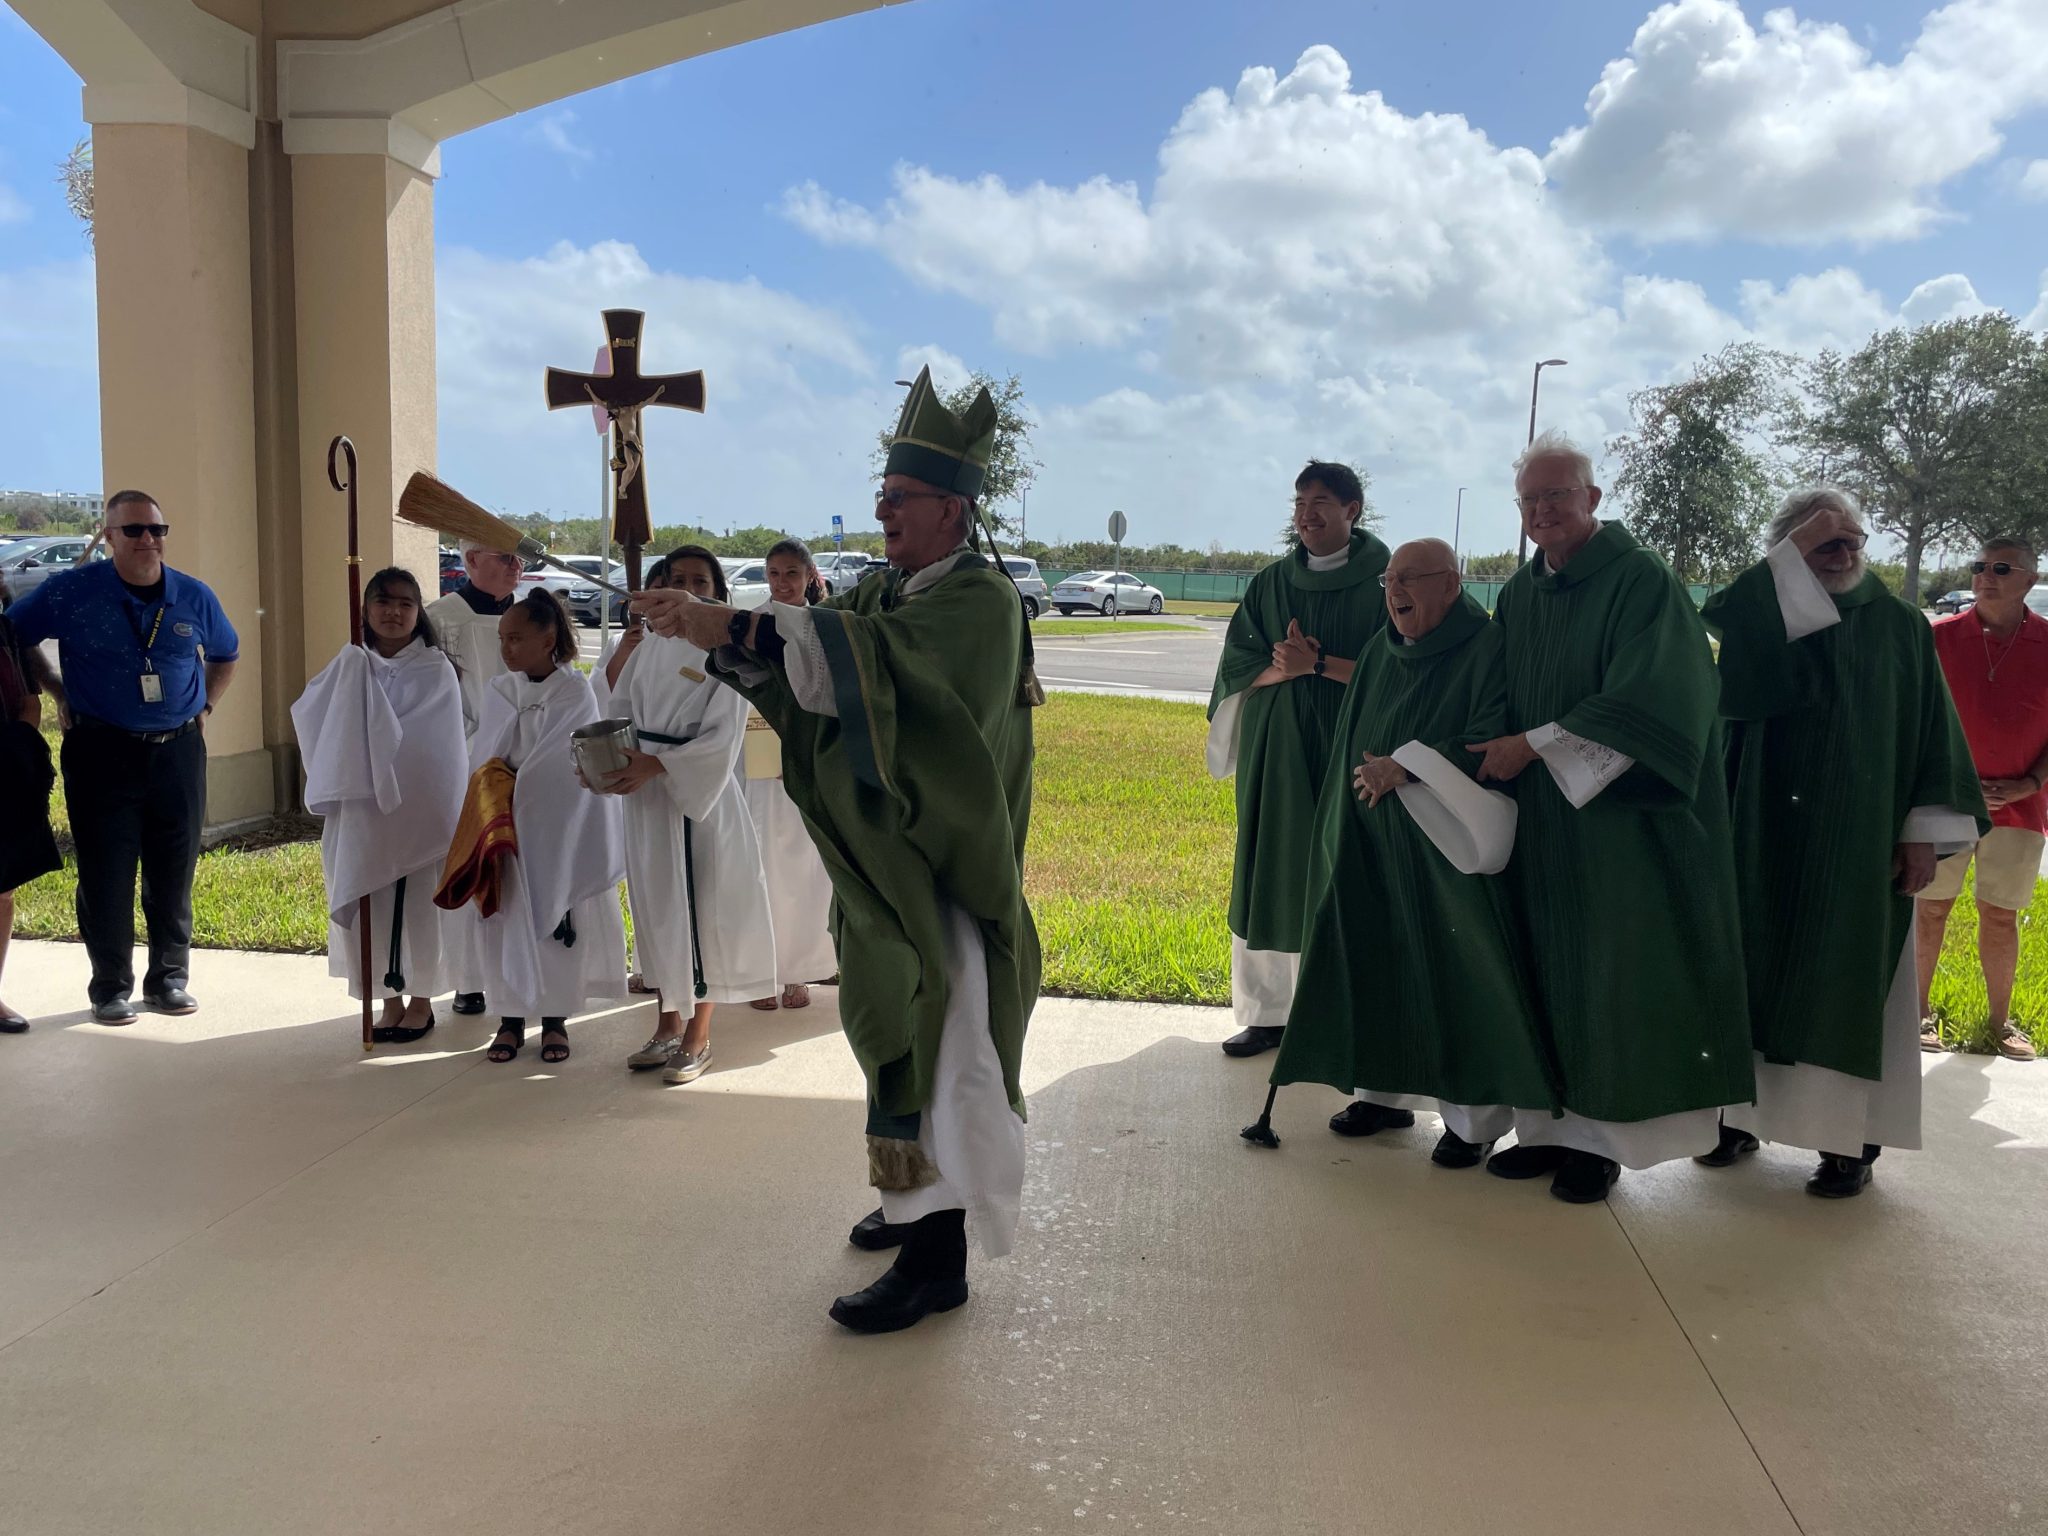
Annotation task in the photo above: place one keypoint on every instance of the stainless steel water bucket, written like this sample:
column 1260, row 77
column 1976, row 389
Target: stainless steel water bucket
column 601, row 748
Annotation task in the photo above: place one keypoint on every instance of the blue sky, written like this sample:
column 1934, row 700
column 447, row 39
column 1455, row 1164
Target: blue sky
column 1357, row 253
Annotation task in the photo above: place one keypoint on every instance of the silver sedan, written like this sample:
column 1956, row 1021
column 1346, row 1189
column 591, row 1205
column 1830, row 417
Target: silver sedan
column 1106, row 592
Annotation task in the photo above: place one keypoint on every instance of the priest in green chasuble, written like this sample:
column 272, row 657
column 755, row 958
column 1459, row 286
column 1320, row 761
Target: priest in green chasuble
column 1287, row 656
column 1411, row 990
column 1849, row 775
column 904, row 709
column 1624, row 869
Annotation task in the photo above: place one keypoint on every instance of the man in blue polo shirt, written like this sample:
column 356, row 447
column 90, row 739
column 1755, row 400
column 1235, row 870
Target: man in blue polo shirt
column 146, row 653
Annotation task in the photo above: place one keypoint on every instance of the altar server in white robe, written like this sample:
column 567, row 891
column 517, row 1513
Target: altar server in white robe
column 556, row 942
column 701, row 926
column 604, row 677
column 380, row 734
column 799, row 891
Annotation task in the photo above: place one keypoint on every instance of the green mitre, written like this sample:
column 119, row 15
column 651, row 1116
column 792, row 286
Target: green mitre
column 933, row 445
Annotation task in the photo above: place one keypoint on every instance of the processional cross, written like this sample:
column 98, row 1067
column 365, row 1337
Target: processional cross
column 622, row 395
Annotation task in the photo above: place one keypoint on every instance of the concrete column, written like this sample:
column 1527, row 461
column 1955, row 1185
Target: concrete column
column 177, row 394
column 363, row 263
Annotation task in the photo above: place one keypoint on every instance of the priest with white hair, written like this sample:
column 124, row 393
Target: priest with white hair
column 1849, row 774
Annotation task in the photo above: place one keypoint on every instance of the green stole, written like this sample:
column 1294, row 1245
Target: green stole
column 1832, row 740
column 920, row 789
column 1287, row 730
column 1411, row 973
column 1628, row 905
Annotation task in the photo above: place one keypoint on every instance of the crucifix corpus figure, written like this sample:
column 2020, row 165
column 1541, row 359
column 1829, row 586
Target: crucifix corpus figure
column 623, row 394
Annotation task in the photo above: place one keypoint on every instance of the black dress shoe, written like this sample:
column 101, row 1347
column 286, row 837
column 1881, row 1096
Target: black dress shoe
column 1838, row 1178
column 175, row 1001
column 401, row 1034
column 1526, row 1162
column 874, row 1233
column 1735, row 1146
column 897, row 1300
column 1359, row 1118
column 1454, row 1151
column 115, row 1010
column 1253, row 1041
column 1585, row 1178
column 13, row 1024
column 468, row 1002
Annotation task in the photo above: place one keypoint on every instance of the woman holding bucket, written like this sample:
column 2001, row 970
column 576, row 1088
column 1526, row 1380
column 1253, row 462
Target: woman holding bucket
column 693, row 866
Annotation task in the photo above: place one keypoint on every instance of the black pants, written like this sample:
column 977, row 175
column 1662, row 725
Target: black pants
column 133, row 801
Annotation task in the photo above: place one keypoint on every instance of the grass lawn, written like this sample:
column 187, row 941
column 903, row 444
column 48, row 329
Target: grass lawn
column 1183, row 605
column 1102, row 629
column 1128, row 872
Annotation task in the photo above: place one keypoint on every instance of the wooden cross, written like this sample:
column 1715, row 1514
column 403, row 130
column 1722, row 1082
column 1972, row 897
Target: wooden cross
column 622, row 394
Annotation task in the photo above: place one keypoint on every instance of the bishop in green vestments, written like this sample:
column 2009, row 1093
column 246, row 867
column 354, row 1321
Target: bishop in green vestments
column 904, row 708
column 1411, row 989
column 1287, row 656
column 1624, row 870
column 1849, row 774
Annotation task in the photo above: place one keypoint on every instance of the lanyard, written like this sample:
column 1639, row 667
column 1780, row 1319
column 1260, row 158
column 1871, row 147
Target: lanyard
column 155, row 624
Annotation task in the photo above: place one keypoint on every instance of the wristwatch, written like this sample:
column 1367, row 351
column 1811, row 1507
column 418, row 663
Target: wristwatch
column 737, row 629
column 1318, row 667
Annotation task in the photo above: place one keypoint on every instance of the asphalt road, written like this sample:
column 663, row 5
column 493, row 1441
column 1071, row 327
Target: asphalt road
column 1178, row 665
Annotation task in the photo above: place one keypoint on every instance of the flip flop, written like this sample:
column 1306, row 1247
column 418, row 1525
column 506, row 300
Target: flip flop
column 500, row 1051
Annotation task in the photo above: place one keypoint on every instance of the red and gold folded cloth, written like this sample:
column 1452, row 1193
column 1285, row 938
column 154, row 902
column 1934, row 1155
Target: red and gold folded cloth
column 485, row 841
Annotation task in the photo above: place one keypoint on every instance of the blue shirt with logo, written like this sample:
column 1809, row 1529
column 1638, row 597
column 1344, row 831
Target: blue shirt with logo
column 107, row 638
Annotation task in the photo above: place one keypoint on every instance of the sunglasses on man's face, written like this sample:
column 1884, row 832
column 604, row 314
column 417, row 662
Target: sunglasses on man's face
column 143, row 530
column 1995, row 567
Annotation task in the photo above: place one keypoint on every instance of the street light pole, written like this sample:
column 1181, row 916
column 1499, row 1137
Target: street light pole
column 1535, row 383
column 1457, row 532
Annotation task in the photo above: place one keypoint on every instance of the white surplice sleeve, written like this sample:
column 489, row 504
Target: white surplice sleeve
column 1223, row 734
column 1802, row 600
column 1950, row 830
column 1580, row 766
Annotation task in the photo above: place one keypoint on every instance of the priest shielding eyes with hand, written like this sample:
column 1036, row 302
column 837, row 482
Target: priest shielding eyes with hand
column 904, row 708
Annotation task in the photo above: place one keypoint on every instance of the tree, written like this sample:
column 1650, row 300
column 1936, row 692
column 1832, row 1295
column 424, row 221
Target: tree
column 1011, row 469
column 1692, row 485
column 75, row 172
column 1937, row 430
column 1491, row 567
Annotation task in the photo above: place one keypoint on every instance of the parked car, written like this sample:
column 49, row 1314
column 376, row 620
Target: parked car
column 1106, row 592
column 842, row 570
column 748, row 582
column 452, row 572
column 27, row 563
column 2037, row 601
column 585, row 600
column 1030, row 585
column 1954, row 602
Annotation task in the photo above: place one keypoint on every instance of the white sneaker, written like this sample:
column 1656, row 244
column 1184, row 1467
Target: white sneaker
column 688, row 1066
column 657, row 1052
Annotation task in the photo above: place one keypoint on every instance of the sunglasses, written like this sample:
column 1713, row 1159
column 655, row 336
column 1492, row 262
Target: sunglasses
column 143, row 530
column 1845, row 546
column 894, row 499
column 1995, row 567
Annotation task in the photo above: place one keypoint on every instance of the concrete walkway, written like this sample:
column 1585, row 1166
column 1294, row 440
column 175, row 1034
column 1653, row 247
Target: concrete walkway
column 252, row 1281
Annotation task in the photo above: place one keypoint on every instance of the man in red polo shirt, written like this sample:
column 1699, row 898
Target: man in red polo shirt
column 1996, row 660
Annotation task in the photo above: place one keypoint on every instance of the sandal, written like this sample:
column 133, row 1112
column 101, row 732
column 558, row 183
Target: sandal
column 796, row 995
column 500, row 1049
column 554, row 1050
column 765, row 1004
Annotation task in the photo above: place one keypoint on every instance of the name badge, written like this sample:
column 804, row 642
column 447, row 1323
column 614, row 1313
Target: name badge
column 691, row 673
column 152, row 688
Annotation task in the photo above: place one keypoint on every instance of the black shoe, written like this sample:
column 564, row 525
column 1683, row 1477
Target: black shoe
column 1525, row 1162
column 874, row 1233
column 1359, row 1118
column 1585, row 1178
column 1253, row 1041
column 896, row 1301
column 400, row 1034
column 13, row 1024
column 175, row 1001
column 1454, row 1151
column 468, row 1002
column 1735, row 1146
column 1838, row 1178
column 115, row 1010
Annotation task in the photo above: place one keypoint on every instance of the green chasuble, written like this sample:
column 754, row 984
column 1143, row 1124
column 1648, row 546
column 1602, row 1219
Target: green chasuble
column 919, row 789
column 1832, row 740
column 1286, row 731
column 1410, row 971
column 1635, row 945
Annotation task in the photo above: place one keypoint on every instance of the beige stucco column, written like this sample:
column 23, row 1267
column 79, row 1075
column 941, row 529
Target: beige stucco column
column 363, row 263
column 176, row 398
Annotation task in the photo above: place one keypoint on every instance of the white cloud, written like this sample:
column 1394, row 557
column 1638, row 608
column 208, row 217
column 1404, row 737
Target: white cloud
column 2033, row 181
column 948, row 371
column 552, row 130
column 1951, row 297
column 1789, row 130
column 1835, row 308
column 2038, row 320
column 792, row 397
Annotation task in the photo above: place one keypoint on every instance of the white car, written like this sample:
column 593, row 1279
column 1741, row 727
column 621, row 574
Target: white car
column 747, row 581
column 1106, row 592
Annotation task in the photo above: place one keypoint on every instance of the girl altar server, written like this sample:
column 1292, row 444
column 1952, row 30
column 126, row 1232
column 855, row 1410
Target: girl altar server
column 701, row 927
column 380, row 733
column 799, row 893
column 534, row 873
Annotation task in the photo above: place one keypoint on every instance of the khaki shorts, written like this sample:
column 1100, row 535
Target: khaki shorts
column 2008, row 863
